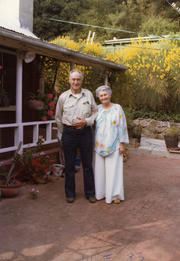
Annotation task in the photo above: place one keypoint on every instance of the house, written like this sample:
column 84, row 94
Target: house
column 19, row 48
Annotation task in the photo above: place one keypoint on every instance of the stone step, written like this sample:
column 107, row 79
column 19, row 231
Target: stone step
column 154, row 147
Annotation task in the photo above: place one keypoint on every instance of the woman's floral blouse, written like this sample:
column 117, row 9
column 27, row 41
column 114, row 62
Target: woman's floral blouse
column 111, row 129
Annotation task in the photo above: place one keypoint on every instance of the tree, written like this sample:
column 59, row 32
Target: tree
column 159, row 26
column 66, row 10
column 130, row 15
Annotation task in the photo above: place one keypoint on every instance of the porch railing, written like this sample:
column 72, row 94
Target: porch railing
column 47, row 129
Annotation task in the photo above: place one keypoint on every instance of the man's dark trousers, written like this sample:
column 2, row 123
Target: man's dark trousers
column 73, row 139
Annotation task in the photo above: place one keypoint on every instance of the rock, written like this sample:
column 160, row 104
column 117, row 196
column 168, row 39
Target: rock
column 152, row 128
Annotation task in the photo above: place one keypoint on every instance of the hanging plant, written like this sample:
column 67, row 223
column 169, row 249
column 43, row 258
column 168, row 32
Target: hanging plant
column 44, row 103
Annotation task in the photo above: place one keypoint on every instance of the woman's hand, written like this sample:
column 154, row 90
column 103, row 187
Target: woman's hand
column 121, row 148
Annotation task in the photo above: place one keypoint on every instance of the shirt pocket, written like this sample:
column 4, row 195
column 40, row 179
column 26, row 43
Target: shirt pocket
column 86, row 109
column 68, row 109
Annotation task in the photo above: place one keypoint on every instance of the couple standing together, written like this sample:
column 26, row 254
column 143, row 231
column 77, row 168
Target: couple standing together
column 76, row 112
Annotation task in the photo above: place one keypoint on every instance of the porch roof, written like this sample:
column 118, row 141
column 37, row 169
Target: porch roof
column 18, row 41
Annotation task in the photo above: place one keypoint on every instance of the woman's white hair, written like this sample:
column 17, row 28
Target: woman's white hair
column 74, row 70
column 103, row 88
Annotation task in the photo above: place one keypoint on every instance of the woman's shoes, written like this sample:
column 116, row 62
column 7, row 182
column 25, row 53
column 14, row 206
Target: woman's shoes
column 116, row 201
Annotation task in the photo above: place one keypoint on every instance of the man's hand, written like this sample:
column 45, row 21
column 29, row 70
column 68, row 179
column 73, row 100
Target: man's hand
column 80, row 124
column 121, row 148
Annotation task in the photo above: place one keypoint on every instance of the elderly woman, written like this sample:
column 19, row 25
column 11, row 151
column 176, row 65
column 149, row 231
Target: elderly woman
column 110, row 136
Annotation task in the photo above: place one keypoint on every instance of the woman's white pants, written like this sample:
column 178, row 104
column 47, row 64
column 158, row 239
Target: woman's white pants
column 108, row 174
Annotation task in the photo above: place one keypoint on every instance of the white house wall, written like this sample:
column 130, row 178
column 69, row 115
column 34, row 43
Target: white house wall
column 17, row 15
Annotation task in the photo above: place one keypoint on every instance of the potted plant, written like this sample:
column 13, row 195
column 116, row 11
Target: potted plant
column 35, row 101
column 36, row 164
column 44, row 103
column 171, row 137
column 32, row 165
column 9, row 185
column 41, row 168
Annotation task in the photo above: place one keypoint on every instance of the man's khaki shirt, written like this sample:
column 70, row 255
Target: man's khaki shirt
column 71, row 106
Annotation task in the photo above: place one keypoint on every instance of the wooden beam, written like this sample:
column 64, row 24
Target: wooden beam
column 22, row 42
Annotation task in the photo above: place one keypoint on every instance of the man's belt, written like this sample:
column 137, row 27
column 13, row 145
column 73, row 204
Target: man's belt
column 72, row 127
column 69, row 126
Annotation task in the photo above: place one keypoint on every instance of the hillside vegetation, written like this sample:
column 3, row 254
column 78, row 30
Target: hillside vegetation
column 145, row 16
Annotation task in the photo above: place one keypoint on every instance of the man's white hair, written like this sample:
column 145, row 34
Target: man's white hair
column 74, row 70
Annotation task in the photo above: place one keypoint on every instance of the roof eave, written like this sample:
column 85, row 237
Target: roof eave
column 25, row 43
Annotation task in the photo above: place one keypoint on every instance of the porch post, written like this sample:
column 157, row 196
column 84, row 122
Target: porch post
column 106, row 78
column 19, row 89
column 71, row 66
column 19, row 70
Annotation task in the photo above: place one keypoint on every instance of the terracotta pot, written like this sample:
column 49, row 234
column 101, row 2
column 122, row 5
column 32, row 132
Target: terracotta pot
column 39, row 180
column 137, row 141
column 35, row 105
column 11, row 190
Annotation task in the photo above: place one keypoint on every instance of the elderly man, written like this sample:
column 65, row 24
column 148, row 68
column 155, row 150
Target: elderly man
column 74, row 120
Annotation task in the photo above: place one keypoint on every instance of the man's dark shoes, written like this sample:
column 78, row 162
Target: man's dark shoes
column 92, row 199
column 70, row 200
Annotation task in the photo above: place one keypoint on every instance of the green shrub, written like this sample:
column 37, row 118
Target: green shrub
column 145, row 114
column 172, row 131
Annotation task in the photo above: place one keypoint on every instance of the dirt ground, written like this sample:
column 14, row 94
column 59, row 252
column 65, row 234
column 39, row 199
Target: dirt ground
column 145, row 227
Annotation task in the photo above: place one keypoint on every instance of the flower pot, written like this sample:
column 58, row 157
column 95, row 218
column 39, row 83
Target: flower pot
column 171, row 141
column 39, row 179
column 35, row 105
column 11, row 190
column 137, row 140
column 59, row 170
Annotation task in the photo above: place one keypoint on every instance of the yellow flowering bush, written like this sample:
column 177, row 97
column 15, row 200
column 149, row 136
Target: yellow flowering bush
column 153, row 74
column 65, row 41
column 152, row 81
